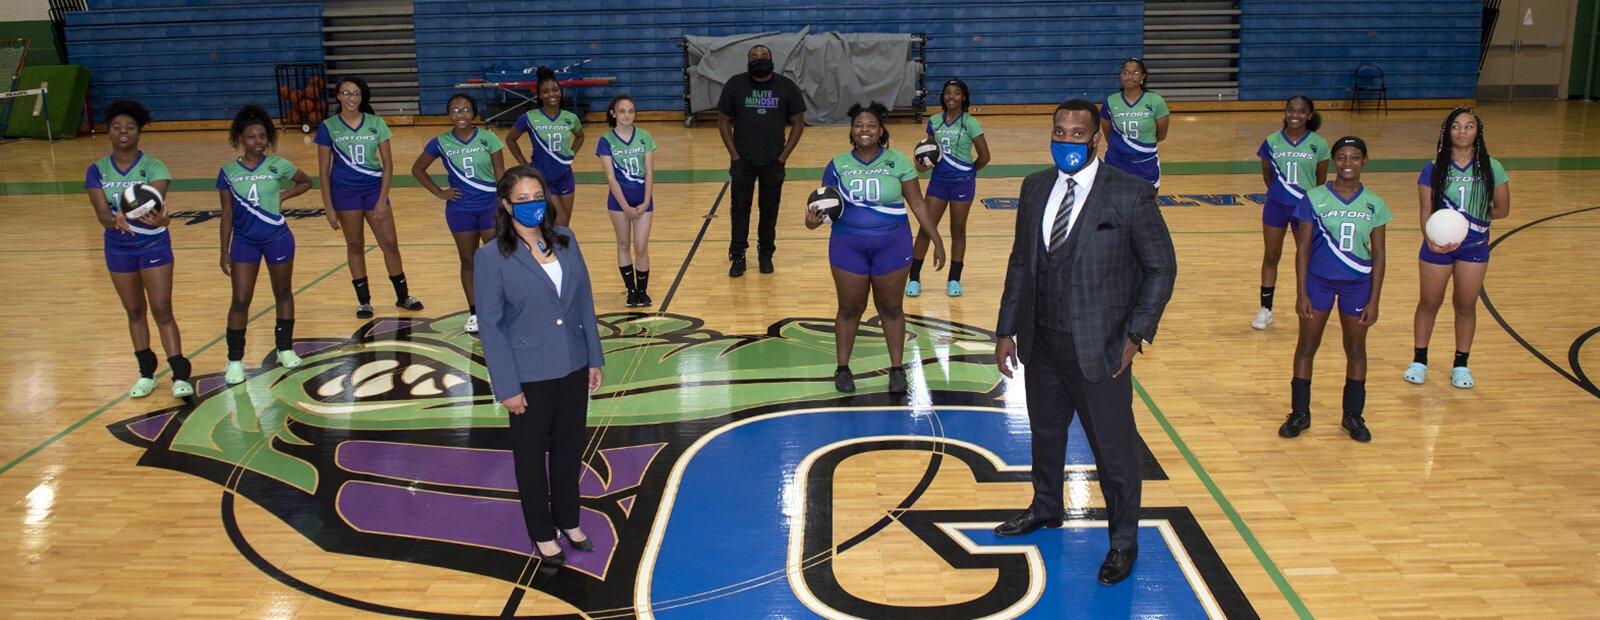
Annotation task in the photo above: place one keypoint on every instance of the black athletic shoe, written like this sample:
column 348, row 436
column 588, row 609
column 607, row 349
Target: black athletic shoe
column 842, row 381
column 364, row 311
column 737, row 269
column 409, row 303
column 1357, row 427
column 633, row 298
column 1298, row 421
column 644, row 300
column 897, row 381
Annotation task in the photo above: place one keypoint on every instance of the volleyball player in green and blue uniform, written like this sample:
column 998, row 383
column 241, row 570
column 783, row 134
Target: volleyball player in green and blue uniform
column 1339, row 257
column 629, row 165
column 1477, row 186
column 557, row 135
column 954, row 181
column 355, row 163
column 138, row 252
column 1293, row 160
column 473, row 162
column 870, row 244
column 252, row 189
column 1134, row 120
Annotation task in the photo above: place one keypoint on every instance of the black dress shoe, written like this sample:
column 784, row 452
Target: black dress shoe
column 897, row 381
column 581, row 545
column 766, row 264
column 843, row 381
column 1357, row 427
column 737, row 268
column 1118, row 565
column 558, row 558
column 1025, row 523
column 1297, row 422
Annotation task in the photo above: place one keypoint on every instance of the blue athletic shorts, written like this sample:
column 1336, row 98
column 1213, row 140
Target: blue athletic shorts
column 1352, row 295
column 366, row 200
column 278, row 251
column 1277, row 215
column 632, row 195
column 961, row 190
column 1478, row 253
column 561, row 180
column 465, row 220
column 131, row 261
column 871, row 255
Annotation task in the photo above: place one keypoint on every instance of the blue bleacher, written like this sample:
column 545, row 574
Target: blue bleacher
column 1427, row 50
column 188, row 64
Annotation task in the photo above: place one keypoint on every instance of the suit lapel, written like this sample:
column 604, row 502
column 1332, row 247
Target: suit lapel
column 525, row 258
column 1035, row 217
column 569, row 272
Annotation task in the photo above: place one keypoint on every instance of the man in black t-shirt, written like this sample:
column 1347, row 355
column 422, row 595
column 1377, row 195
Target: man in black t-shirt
column 751, row 114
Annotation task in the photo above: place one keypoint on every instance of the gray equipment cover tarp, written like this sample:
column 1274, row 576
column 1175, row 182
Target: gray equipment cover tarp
column 834, row 70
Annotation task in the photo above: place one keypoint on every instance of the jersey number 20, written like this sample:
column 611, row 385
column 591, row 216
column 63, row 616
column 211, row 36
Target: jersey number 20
column 865, row 190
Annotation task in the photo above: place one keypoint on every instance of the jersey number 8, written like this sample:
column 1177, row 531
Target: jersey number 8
column 358, row 152
column 1347, row 236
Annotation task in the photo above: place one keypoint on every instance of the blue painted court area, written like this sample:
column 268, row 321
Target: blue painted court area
column 725, row 549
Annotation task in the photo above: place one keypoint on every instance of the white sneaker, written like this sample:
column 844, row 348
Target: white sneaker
column 472, row 324
column 1263, row 319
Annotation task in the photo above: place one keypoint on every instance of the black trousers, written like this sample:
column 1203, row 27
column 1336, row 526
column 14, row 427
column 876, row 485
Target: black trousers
column 744, row 175
column 554, row 422
column 1057, row 390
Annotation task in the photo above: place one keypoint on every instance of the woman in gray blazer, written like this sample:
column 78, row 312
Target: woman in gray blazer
column 536, row 316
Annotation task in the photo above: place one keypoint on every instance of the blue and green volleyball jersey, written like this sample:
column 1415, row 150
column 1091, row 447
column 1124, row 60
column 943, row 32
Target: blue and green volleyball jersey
column 257, row 214
column 1133, row 125
column 627, row 156
column 357, row 166
column 955, row 146
column 1461, row 194
column 552, row 137
column 873, row 204
column 1341, row 246
column 1294, row 164
column 470, row 166
column 104, row 175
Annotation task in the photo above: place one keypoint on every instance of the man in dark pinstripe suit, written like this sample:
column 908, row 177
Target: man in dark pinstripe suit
column 1091, row 270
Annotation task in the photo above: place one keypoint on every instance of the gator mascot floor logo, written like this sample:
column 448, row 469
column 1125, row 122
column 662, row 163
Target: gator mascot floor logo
column 717, row 479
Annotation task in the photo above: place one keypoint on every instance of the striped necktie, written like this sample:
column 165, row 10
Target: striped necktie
column 1058, row 232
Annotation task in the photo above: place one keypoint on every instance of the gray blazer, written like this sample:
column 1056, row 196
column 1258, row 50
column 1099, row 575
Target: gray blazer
column 1122, row 262
column 528, row 332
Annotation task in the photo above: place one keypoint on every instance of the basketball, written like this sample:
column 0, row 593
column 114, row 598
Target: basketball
column 827, row 201
column 139, row 200
column 283, row 92
column 1446, row 227
column 294, row 96
column 294, row 117
column 927, row 152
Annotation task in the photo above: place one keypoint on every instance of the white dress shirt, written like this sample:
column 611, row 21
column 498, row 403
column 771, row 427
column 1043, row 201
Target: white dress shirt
column 553, row 269
column 1084, row 177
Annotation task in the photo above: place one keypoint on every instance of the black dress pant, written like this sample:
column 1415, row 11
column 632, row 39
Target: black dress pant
column 1057, row 390
column 554, row 422
column 743, row 176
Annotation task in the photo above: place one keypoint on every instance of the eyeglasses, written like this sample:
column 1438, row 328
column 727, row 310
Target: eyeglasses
column 349, row 93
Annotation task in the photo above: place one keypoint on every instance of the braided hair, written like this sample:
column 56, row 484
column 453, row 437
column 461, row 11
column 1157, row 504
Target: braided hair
column 1481, row 173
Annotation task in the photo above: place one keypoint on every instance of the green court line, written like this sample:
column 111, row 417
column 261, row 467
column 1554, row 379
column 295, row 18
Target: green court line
column 996, row 171
column 1271, row 567
column 124, row 396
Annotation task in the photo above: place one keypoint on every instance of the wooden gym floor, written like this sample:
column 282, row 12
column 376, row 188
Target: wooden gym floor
column 733, row 482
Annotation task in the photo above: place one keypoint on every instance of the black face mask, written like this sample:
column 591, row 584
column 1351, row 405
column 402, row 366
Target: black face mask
column 760, row 68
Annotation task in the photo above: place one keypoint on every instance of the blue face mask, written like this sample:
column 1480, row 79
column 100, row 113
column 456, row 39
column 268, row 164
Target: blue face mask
column 530, row 214
column 1070, row 156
